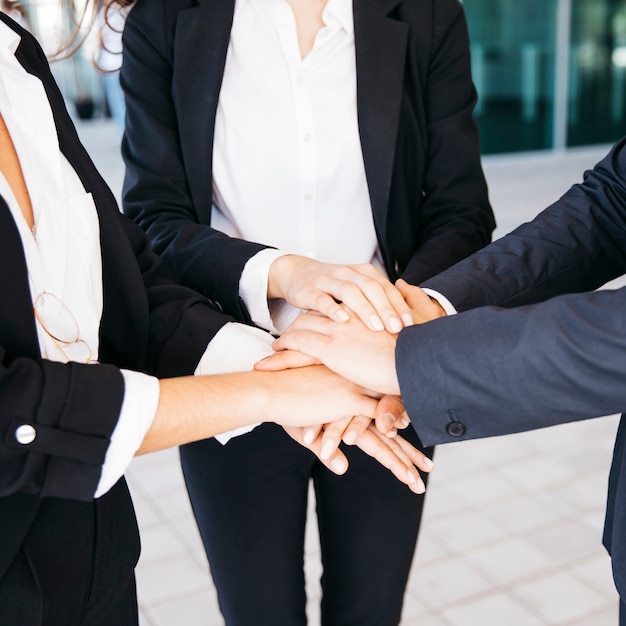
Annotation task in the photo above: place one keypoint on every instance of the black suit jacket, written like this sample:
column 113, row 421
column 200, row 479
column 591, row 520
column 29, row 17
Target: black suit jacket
column 149, row 323
column 558, row 356
column 420, row 147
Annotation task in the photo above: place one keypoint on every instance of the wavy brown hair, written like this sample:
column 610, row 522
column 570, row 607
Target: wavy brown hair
column 81, row 17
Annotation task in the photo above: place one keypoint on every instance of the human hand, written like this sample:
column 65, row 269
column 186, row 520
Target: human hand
column 390, row 416
column 306, row 396
column 314, row 286
column 423, row 307
column 396, row 454
column 350, row 349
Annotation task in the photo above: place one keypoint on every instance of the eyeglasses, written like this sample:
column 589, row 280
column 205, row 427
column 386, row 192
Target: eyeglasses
column 61, row 326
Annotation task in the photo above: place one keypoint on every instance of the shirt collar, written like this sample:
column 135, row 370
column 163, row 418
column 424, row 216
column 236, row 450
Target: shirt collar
column 9, row 39
column 339, row 12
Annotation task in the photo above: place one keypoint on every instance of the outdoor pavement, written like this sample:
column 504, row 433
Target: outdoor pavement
column 512, row 528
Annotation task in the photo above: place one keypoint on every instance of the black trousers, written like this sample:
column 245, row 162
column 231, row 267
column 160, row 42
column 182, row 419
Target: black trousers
column 250, row 500
column 75, row 566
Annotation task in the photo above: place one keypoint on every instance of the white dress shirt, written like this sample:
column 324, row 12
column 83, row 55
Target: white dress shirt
column 287, row 165
column 63, row 256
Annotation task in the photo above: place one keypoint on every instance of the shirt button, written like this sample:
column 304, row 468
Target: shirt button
column 456, row 429
column 25, row 434
column 308, row 197
column 299, row 79
column 307, row 137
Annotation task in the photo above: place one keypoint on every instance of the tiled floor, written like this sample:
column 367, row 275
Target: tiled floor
column 512, row 528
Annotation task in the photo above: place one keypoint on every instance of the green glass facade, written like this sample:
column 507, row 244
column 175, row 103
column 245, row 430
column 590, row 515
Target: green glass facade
column 549, row 73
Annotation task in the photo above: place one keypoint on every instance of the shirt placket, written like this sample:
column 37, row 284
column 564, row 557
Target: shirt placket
column 305, row 131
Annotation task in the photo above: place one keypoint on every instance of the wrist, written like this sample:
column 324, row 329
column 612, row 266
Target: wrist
column 439, row 310
column 279, row 271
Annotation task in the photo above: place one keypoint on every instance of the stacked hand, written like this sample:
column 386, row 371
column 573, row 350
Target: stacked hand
column 351, row 327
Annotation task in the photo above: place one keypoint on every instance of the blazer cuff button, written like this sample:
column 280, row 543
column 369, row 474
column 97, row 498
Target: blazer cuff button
column 456, row 429
column 25, row 434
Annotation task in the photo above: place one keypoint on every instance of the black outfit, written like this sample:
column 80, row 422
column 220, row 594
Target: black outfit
column 429, row 200
column 51, row 529
column 544, row 348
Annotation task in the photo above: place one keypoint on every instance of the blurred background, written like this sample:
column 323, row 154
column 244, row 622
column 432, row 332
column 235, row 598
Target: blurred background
column 551, row 74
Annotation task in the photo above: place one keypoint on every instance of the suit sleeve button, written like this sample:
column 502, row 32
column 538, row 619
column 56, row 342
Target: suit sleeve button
column 456, row 429
column 25, row 434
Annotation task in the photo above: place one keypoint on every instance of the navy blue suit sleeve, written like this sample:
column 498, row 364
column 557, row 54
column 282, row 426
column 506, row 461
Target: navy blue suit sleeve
column 577, row 244
column 493, row 371
column 545, row 349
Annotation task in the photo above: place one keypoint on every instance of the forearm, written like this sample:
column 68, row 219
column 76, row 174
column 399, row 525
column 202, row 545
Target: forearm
column 197, row 407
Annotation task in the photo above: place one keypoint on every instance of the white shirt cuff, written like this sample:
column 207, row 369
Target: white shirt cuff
column 253, row 286
column 235, row 348
column 141, row 398
column 446, row 305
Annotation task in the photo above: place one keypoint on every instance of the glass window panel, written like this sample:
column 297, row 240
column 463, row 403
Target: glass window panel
column 597, row 74
column 513, row 68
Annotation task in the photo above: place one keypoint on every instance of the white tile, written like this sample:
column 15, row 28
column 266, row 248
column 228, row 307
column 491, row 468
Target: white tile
column 509, row 560
column 480, row 488
column 171, row 579
column 440, row 499
column 566, row 541
column 425, row 620
column 414, row 608
column 429, row 547
column 493, row 610
column 560, row 597
column 466, row 529
column 537, row 472
column 527, row 511
column 159, row 543
column 441, row 584
column 608, row 616
column 597, row 574
column 194, row 610
column 584, row 492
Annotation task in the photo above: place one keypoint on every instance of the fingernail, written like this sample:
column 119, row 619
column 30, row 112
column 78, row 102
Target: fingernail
column 308, row 436
column 428, row 463
column 404, row 421
column 338, row 465
column 407, row 318
column 395, row 325
column 392, row 433
column 388, row 420
column 342, row 316
column 327, row 449
column 376, row 323
column 349, row 438
column 416, row 483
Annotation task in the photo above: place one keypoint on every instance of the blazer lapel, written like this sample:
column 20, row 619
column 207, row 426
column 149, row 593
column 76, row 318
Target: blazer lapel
column 201, row 44
column 380, row 44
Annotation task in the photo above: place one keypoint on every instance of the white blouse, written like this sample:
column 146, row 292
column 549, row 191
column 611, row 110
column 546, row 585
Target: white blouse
column 287, row 165
column 63, row 252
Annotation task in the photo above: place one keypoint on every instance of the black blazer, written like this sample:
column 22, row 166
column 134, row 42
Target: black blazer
column 415, row 99
column 149, row 323
column 497, row 370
